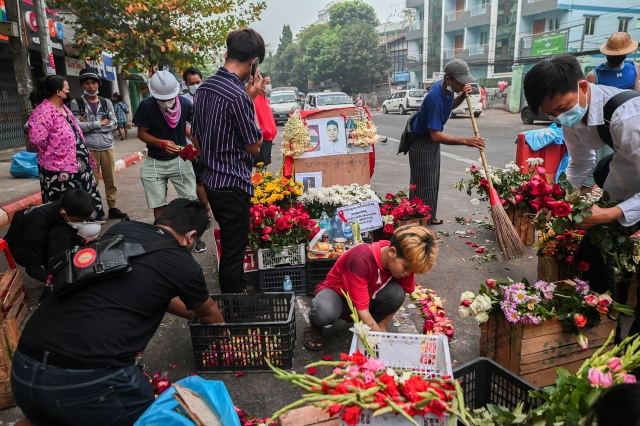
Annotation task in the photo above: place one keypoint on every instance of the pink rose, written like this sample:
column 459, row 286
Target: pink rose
column 614, row 364
column 595, row 376
column 629, row 378
column 591, row 300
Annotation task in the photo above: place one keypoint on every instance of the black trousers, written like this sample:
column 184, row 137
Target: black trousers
column 230, row 208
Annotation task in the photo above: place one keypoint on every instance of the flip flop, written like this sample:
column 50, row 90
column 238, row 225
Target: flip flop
column 313, row 339
column 436, row 222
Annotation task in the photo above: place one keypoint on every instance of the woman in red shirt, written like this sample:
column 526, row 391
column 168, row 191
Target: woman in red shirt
column 376, row 277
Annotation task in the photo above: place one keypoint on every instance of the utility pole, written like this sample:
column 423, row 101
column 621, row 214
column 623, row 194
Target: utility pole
column 43, row 31
column 20, row 59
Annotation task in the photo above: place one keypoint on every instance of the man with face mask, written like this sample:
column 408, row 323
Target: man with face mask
column 97, row 120
column 225, row 123
column 266, row 120
column 559, row 88
column 162, row 124
column 424, row 153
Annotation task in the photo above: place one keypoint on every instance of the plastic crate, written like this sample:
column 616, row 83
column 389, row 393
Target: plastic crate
column 485, row 382
column 423, row 354
column 271, row 279
column 256, row 327
column 290, row 255
column 317, row 270
column 427, row 355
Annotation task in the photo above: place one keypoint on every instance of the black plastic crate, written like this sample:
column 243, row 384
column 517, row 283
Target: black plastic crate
column 271, row 279
column 256, row 327
column 484, row 381
column 317, row 270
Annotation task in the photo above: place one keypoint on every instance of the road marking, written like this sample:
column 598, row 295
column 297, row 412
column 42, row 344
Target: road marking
column 444, row 154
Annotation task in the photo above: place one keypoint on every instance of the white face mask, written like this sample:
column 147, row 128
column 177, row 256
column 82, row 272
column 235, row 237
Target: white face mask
column 192, row 89
column 91, row 94
column 268, row 88
column 167, row 104
column 86, row 229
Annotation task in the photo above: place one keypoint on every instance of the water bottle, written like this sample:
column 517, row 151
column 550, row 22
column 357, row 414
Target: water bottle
column 346, row 230
column 287, row 285
column 325, row 222
column 336, row 226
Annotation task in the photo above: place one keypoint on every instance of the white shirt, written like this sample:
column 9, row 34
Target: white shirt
column 623, row 181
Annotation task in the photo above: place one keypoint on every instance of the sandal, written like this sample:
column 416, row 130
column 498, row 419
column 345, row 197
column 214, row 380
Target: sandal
column 313, row 338
column 436, row 222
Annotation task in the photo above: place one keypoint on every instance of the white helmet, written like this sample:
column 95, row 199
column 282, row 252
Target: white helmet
column 164, row 86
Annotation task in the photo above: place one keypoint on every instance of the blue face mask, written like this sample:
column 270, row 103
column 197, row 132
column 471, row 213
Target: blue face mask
column 573, row 116
column 192, row 89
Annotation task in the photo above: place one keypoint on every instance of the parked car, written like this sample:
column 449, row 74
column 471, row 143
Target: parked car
column 327, row 100
column 283, row 103
column 403, row 101
column 528, row 117
column 463, row 108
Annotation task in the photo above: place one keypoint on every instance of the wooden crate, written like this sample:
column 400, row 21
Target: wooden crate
column 308, row 416
column 12, row 296
column 534, row 351
column 522, row 223
column 9, row 336
column 551, row 269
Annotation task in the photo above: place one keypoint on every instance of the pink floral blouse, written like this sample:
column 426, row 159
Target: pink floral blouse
column 53, row 138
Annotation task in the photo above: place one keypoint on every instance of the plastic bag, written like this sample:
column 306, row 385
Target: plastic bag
column 24, row 165
column 162, row 411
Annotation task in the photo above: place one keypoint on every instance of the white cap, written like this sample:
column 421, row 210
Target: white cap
column 164, row 86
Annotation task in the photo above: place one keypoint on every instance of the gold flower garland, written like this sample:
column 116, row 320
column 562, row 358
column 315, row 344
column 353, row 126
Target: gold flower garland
column 295, row 135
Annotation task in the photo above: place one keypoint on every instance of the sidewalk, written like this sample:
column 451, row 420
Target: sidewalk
column 18, row 194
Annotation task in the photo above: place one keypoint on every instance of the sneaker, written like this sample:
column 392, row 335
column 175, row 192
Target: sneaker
column 200, row 246
column 115, row 213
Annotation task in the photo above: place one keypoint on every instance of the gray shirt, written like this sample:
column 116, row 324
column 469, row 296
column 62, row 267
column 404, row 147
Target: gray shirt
column 96, row 136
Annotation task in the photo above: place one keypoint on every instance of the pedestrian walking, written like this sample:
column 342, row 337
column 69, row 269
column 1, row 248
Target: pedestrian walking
column 63, row 157
column 224, row 122
column 162, row 124
column 75, row 361
column 424, row 153
column 97, row 120
column 121, row 110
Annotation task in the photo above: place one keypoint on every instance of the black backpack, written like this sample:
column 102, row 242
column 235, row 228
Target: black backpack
column 608, row 110
column 81, row 105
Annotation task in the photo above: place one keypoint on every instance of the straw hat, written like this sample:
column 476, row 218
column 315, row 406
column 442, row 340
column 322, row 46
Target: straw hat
column 619, row 44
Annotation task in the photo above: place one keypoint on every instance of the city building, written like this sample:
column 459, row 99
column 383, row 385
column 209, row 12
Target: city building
column 493, row 35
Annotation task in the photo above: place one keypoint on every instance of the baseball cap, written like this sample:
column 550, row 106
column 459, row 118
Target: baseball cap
column 458, row 69
column 619, row 44
column 89, row 73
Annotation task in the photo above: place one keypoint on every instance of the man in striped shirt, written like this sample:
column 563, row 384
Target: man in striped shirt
column 224, row 121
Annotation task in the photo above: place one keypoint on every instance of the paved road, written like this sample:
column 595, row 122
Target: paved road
column 458, row 267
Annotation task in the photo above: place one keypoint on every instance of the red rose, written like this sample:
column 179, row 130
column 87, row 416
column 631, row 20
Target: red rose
column 579, row 320
column 569, row 260
column 557, row 191
column 562, row 209
column 583, row 266
column 541, row 189
column 388, row 229
column 484, row 183
column 518, row 198
column 267, row 230
column 465, row 302
column 413, row 187
column 390, row 196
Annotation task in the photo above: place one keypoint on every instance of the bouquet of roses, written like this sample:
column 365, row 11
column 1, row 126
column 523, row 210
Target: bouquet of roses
column 520, row 302
column 509, row 182
column 398, row 206
column 275, row 227
column 189, row 153
column 562, row 247
column 329, row 199
column 274, row 189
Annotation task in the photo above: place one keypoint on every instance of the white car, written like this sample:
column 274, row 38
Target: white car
column 283, row 103
column 463, row 108
column 327, row 100
column 403, row 101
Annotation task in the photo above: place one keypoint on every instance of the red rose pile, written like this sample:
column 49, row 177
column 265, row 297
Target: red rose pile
column 398, row 207
column 275, row 227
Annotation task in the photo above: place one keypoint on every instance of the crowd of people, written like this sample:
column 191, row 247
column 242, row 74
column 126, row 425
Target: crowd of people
column 228, row 118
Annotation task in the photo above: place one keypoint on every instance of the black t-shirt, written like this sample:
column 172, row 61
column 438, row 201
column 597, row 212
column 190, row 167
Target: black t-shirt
column 113, row 320
column 150, row 115
column 36, row 234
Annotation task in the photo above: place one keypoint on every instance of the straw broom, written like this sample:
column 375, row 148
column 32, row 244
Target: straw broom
column 509, row 241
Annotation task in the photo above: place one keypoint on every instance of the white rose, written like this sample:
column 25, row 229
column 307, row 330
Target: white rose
column 484, row 301
column 475, row 307
column 482, row 317
column 467, row 295
column 464, row 311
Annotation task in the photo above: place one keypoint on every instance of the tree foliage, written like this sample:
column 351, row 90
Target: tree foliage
column 146, row 36
column 345, row 50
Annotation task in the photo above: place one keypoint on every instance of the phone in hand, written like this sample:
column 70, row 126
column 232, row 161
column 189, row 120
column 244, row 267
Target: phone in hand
column 254, row 67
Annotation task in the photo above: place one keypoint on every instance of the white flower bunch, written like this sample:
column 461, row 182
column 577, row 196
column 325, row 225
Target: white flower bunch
column 478, row 306
column 513, row 167
column 340, row 195
column 532, row 162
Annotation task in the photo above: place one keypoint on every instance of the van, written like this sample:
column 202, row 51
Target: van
column 283, row 103
column 463, row 108
column 403, row 101
column 327, row 100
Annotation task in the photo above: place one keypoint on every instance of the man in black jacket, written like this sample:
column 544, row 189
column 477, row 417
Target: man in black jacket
column 40, row 232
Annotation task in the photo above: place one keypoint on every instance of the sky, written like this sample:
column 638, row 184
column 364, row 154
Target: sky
column 300, row 13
